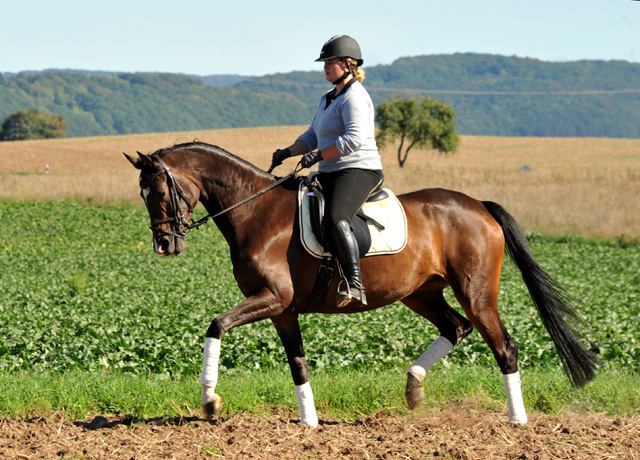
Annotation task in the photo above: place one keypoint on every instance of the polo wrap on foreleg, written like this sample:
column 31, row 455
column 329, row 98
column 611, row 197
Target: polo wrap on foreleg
column 209, row 375
column 304, row 397
column 436, row 351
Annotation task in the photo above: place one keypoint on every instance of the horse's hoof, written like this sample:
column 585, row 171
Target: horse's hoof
column 212, row 407
column 414, row 392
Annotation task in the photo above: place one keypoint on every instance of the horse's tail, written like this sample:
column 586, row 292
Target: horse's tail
column 551, row 300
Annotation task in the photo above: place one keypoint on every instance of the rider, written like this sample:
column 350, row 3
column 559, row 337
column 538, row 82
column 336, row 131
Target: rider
column 349, row 163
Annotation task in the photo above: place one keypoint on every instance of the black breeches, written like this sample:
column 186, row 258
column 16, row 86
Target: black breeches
column 346, row 191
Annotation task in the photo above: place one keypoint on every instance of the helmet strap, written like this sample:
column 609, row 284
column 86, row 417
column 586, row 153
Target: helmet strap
column 348, row 72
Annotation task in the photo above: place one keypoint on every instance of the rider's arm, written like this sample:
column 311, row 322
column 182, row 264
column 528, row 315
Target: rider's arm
column 298, row 148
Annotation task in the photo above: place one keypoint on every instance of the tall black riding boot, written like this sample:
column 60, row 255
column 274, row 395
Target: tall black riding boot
column 346, row 250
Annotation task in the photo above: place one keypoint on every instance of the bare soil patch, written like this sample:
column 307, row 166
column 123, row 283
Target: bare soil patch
column 453, row 434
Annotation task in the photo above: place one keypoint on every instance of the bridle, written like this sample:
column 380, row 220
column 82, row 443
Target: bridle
column 176, row 193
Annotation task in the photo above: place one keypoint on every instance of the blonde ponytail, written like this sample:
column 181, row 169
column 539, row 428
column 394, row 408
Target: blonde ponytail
column 358, row 72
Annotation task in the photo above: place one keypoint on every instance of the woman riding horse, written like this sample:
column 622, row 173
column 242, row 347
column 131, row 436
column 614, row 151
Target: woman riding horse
column 349, row 163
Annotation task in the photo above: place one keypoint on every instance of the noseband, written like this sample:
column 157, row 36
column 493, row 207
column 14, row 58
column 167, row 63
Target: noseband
column 175, row 193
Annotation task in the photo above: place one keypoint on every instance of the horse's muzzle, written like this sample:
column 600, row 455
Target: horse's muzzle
column 169, row 245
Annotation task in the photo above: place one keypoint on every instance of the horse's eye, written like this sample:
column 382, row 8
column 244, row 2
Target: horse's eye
column 160, row 195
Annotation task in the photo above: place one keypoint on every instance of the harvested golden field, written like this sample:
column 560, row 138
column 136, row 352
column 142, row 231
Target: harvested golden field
column 556, row 186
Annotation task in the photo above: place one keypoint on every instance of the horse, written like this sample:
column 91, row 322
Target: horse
column 453, row 240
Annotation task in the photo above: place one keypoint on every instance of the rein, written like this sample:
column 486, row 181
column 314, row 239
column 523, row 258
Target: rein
column 206, row 218
column 176, row 192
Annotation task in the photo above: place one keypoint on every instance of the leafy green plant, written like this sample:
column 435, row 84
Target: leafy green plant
column 82, row 289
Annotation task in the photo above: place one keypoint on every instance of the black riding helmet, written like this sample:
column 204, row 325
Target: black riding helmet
column 341, row 46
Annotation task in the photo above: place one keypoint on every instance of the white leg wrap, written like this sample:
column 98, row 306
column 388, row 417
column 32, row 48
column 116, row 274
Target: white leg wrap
column 209, row 375
column 304, row 396
column 436, row 351
column 512, row 386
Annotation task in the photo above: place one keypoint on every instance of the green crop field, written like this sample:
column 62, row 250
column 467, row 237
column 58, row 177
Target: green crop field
column 92, row 320
column 83, row 293
column 83, row 289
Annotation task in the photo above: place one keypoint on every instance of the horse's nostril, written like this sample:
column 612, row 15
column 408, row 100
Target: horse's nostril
column 164, row 245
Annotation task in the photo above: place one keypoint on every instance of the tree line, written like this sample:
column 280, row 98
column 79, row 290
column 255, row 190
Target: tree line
column 491, row 95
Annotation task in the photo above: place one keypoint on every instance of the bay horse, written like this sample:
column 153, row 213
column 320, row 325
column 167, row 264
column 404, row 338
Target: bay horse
column 453, row 240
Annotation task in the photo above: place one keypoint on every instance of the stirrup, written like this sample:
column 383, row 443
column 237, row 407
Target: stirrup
column 350, row 294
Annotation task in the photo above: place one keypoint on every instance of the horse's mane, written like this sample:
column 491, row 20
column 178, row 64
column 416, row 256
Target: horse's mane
column 290, row 184
column 214, row 149
column 209, row 149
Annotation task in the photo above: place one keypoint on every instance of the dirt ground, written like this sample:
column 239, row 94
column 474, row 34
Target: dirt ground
column 456, row 434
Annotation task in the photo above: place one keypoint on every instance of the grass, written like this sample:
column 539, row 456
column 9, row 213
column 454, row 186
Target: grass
column 338, row 395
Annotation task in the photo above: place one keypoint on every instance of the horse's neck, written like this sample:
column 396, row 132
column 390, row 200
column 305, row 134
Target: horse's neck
column 226, row 186
column 226, row 182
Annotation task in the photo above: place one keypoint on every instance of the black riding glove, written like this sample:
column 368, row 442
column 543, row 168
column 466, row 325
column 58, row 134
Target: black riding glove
column 311, row 158
column 278, row 157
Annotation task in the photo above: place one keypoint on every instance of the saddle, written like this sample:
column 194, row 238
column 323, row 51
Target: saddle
column 380, row 227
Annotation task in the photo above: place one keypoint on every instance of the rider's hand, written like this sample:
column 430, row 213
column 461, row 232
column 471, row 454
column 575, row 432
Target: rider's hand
column 279, row 156
column 311, row 158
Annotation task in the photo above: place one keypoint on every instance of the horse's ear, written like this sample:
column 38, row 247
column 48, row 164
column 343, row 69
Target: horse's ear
column 136, row 162
column 146, row 159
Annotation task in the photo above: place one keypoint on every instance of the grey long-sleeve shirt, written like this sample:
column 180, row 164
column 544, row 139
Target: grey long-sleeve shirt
column 348, row 122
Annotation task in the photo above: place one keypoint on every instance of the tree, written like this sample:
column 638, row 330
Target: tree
column 425, row 123
column 32, row 124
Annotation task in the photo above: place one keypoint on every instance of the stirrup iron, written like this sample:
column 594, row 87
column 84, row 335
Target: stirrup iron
column 349, row 295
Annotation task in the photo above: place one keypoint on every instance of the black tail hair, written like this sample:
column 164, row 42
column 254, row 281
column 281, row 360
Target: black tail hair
column 552, row 301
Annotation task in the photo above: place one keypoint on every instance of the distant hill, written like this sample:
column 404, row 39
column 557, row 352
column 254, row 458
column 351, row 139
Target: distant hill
column 210, row 80
column 492, row 95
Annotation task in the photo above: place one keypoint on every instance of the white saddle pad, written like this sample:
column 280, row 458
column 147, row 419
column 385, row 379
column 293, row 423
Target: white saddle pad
column 388, row 212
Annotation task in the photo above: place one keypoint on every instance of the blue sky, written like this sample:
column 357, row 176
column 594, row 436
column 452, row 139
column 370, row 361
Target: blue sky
column 259, row 37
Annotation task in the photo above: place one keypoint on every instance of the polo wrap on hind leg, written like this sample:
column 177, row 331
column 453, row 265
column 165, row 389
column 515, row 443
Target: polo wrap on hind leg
column 512, row 386
column 436, row 351
column 209, row 375
column 304, row 397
